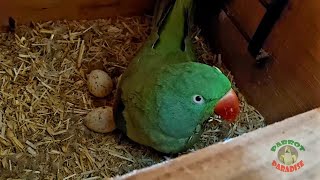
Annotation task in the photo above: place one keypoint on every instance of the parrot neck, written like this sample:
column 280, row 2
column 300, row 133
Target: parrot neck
column 174, row 29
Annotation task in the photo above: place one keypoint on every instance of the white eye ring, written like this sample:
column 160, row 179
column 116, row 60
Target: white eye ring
column 198, row 99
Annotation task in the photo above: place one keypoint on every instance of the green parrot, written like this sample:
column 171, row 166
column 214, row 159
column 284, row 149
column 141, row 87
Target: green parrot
column 165, row 96
column 287, row 157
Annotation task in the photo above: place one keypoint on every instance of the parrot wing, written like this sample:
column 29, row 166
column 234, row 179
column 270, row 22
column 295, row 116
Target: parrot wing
column 162, row 8
column 169, row 43
column 294, row 157
column 162, row 47
column 282, row 158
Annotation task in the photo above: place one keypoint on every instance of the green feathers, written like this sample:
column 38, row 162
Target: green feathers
column 165, row 96
column 174, row 28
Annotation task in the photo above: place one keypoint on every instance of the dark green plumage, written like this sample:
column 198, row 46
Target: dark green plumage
column 165, row 95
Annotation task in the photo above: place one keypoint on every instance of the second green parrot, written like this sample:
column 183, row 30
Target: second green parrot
column 165, row 95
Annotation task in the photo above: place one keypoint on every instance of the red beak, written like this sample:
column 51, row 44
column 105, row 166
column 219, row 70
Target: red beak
column 228, row 107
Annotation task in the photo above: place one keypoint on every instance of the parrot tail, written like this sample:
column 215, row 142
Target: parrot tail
column 172, row 21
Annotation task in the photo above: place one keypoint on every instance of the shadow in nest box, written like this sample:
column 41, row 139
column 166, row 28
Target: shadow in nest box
column 99, row 102
column 93, row 65
column 263, row 62
column 12, row 25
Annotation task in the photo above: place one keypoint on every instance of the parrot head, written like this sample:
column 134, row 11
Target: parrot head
column 189, row 93
column 287, row 150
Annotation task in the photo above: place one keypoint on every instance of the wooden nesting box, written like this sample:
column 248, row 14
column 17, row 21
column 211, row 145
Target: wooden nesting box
column 281, row 85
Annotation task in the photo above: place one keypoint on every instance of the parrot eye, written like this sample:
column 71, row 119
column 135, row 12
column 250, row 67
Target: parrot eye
column 198, row 99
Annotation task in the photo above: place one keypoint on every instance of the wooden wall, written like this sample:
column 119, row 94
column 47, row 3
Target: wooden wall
column 37, row 10
column 290, row 83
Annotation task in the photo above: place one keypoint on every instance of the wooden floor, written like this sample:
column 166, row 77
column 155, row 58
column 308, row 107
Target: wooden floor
column 248, row 157
column 290, row 82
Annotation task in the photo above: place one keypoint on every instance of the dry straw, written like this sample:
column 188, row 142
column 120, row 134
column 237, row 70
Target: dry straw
column 43, row 100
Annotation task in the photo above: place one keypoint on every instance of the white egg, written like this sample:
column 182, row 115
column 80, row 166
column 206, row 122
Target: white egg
column 100, row 120
column 100, row 83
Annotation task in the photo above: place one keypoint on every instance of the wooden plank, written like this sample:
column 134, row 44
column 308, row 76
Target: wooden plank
column 246, row 14
column 290, row 83
column 295, row 43
column 259, row 86
column 42, row 10
column 248, row 156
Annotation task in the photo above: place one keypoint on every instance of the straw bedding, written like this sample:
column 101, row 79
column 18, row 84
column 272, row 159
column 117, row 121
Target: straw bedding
column 44, row 99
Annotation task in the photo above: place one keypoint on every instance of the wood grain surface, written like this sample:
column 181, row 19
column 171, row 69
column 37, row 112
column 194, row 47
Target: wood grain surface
column 248, row 157
column 290, row 82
